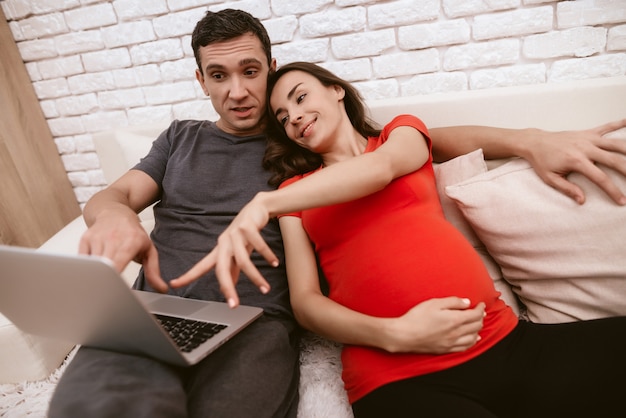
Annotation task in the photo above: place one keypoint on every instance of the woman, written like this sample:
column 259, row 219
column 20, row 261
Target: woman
column 388, row 253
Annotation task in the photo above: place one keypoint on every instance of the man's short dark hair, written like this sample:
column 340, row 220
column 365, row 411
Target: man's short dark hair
column 225, row 25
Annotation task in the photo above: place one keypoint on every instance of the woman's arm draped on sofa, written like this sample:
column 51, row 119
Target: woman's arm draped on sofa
column 553, row 155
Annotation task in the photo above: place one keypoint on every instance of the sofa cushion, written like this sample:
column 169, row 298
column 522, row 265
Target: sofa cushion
column 27, row 357
column 455, row 171
column 565, row 261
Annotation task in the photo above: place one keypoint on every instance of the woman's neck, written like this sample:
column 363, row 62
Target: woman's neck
column 347, row 143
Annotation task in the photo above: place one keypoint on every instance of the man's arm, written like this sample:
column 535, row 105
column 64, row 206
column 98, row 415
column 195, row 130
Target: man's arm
column 114, row 230
column 553, row 155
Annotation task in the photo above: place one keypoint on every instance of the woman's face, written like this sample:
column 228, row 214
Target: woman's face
column 309, row 112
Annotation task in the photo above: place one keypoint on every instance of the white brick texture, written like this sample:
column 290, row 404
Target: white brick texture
column 426, row 35
column 363, row 44
column 333, row 22
column 100, row 64
column 575, row 42
column 513, row 23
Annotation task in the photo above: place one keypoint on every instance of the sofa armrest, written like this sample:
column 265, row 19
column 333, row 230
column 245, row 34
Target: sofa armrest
column 66, row 240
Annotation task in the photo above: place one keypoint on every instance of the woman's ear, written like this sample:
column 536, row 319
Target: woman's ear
column 341, row 93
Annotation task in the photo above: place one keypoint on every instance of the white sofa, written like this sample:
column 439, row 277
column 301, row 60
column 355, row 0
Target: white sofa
column 561, row 260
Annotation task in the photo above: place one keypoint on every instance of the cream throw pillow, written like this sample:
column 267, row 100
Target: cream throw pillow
column 452, row 172
column 565, row 261
column 134, row 147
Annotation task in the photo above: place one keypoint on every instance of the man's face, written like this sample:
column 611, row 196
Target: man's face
column 235, row 78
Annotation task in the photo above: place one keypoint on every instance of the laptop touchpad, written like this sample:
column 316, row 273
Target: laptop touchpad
column 179, row 306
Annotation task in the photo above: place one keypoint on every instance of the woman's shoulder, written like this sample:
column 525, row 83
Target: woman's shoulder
column 295, row 178
column 405, row 120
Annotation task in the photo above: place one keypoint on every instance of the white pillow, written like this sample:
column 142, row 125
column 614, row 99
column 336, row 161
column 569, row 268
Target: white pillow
column 452, row 172
column 134, row 146
column 565, row 261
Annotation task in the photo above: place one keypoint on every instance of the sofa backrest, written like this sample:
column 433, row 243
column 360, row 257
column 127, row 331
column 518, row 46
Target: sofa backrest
column 572, row 105
column 558, row 106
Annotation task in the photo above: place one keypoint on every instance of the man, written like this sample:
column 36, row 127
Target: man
column 201, row 173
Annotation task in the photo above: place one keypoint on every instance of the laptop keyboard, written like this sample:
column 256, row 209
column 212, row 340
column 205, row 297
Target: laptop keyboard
column 188, row 334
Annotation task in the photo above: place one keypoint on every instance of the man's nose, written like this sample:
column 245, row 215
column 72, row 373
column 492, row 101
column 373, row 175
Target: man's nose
column 238, row 89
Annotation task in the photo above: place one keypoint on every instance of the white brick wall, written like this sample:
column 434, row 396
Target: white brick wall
column 98, row 64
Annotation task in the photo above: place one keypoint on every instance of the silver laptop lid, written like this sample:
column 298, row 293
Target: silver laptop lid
column 83, row 300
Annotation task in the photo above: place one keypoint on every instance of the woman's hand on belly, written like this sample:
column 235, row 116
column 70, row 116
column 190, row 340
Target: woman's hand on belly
column 437, row 326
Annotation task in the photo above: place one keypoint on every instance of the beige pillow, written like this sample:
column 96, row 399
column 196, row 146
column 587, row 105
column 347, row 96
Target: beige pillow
column 452, row 172
column 565, row 261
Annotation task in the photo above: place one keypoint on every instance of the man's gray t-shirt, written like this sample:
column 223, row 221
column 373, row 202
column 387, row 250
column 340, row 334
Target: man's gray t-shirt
column 206, row 176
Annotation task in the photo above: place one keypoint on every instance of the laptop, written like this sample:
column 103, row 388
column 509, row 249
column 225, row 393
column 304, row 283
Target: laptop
column 83, row 300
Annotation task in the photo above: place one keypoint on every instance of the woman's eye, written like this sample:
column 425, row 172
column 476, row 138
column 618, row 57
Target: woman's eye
column 283, row 120
column 300, row 98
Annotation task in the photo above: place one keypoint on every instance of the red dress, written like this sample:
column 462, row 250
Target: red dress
column 385, row 253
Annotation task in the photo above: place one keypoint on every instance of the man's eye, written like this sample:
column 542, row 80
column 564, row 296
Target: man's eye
column 251, row 72
column 300, row 98
column 217, row 76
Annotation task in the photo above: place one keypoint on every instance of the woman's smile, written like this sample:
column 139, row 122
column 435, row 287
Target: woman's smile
column 307, row 129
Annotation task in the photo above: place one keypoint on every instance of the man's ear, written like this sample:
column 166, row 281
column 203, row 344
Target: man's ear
column 200, row 78
column 273, row 65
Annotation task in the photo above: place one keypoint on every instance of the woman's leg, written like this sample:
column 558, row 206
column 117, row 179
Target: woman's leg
column 571, row 369
column 410, row 398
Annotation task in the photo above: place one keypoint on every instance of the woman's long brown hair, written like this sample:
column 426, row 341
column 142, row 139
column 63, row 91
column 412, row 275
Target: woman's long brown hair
column 283, row 157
